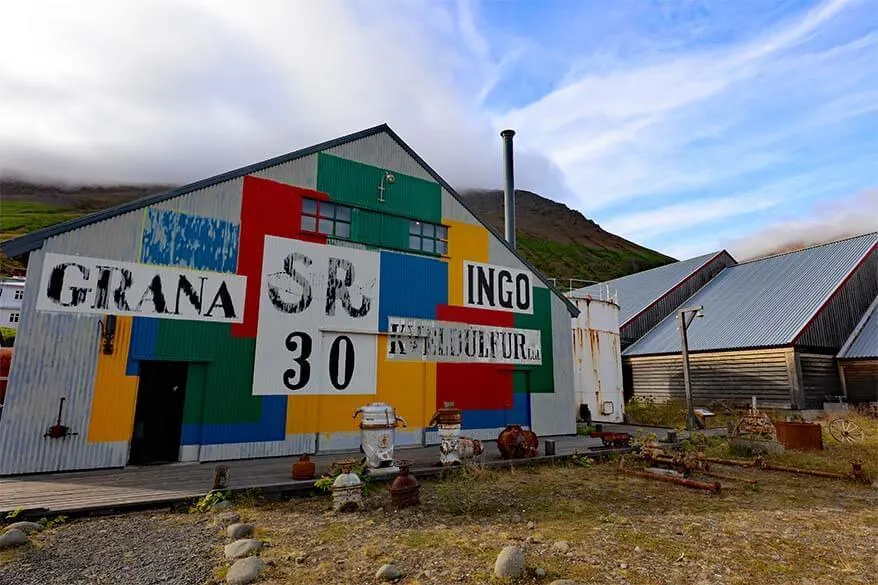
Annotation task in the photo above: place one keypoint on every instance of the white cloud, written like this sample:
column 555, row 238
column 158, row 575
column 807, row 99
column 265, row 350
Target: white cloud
column 826, row 222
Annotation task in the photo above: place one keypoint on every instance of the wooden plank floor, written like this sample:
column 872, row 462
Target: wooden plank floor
column 80, row 491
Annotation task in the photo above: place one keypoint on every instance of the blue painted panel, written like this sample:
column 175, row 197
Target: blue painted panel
column 411, row 287
column 144, row 339
column 178, row 239
column 519, row 414
column 270, row 427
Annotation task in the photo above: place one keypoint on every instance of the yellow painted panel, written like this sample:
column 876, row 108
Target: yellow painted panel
column 465, row 242
column 115, row 394
column 409, row 386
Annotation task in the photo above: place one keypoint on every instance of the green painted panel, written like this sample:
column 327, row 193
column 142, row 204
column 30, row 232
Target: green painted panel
column 394, row 232
column 228, row 365
column 356, row 183
column 196, row 383
column 541, row 378
column 366, row 227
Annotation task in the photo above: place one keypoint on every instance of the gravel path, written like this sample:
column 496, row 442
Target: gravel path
column 136, row 549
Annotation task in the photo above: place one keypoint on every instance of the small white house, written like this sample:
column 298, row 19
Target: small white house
column 11, row 295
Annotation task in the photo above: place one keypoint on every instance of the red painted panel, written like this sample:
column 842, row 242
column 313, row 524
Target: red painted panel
column 267, row 208
column 474, row 386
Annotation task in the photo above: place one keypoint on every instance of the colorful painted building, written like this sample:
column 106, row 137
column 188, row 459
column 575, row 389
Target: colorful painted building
column 250, row 314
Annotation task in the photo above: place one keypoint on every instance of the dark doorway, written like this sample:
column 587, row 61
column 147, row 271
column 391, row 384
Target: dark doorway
column 158, row 417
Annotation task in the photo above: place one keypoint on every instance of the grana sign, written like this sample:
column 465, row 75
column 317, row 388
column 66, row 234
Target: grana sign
column 497, row 288
column 77, row 284
column 445, row 341
column 318, row 318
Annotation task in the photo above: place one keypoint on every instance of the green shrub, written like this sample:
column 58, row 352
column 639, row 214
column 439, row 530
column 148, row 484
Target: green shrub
column 8, row 336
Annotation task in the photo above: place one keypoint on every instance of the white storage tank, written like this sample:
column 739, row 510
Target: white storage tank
column 597, row 358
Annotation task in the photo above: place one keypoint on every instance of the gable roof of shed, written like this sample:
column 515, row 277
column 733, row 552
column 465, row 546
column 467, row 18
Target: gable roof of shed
column 761, row 303
column 639, row 291
column 863, row 342
column 34, row 240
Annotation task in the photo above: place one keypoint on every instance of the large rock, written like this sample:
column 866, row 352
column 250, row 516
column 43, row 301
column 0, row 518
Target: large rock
column 388, row 573
column 245, row 571
column 242, row 548
column 227, row 519
column 562, row 546
column 26, row 527
column 509, row 563
column 12, row 538
column 239, row 530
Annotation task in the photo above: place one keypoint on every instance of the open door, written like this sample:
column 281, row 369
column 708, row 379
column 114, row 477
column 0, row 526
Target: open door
column 158, row 416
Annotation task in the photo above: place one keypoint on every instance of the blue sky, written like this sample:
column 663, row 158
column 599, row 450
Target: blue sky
column 685, row 126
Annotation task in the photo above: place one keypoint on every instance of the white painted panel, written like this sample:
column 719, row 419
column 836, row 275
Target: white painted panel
column 301, row 172
column 498, row 288
column 453, row 210
column 597, row 360
column 322, row 301
column 84, row 285
column 292, row 445
column 554, row 414
column 220, row 201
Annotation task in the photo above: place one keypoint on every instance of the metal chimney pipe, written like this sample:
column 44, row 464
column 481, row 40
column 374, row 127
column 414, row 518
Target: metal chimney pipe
column 509, row 189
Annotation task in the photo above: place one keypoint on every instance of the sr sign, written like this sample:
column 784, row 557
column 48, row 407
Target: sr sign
column 497, row 288
column 318, row 315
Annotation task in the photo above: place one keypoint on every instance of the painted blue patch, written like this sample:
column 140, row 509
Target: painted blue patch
column 271, row 426
column 144, row 338
column 177, row 239
column 519, row 414
column 411, row 287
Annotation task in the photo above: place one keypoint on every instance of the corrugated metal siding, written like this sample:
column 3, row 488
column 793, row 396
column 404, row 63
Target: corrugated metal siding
column 819, row 378
column 637, row 291
column 734, row 376
column 380, row 150
column 838, row 318
column 452, row 210
column 863, row 343
column 861, row 380
column 638, row 325
column 763, row 303
column 300, row 173
column 554, row 414
column 220, row 201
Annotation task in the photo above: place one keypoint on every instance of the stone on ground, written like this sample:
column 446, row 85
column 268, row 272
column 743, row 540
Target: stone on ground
column 26, row 527
column 388, row 573
column 563, row 582
column 242, row 548
column 531, row 525
column 509, row 563
column 221, row 505
column 562, row 546
column 12, row 538
column 245, row 571
column 227, row 518
column 540, row 573
column 239, row 530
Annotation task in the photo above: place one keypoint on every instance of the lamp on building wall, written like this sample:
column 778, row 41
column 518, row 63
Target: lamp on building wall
column 390, row 179
column 108, row 333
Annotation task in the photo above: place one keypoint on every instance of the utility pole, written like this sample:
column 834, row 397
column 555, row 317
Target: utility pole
column 684, row 320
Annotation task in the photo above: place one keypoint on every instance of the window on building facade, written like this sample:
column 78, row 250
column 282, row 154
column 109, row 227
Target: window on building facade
column 428, row 237
column 19, row 294
column 13, row 317
column 327, row 218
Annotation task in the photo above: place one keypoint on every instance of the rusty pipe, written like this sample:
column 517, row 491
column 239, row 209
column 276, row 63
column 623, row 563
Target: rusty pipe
column 738, row 462
column 691, row 483
column 726, row 477
column 814, row 472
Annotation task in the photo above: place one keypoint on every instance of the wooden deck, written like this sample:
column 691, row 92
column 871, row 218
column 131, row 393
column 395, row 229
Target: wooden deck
column 118, row 489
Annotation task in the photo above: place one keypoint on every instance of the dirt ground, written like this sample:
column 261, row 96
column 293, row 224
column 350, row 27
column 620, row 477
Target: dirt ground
column 619, row 529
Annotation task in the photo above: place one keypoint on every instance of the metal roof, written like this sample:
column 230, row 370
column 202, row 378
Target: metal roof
column 636, row 292
column 863, row 342
column 34, row 240
column 761, row 303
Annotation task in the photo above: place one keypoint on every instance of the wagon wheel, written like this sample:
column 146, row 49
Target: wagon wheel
column 845, row 431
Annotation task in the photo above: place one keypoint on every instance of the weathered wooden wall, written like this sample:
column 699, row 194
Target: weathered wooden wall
column 861, row 380
column 819, row 378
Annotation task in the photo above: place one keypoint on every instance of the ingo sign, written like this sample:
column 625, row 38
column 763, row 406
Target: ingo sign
column 76, row 284
column 318, row 314
column 497, row 288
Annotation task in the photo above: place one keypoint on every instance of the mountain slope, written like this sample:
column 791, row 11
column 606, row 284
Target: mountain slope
column 559, row 241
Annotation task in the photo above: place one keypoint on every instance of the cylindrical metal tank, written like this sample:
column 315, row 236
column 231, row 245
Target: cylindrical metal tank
column 378, row 430
column 597, row 359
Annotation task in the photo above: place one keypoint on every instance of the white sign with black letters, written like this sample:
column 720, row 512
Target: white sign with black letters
column 497, row 288
column 78, row 284
column 318, row 318
column 447, row 341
